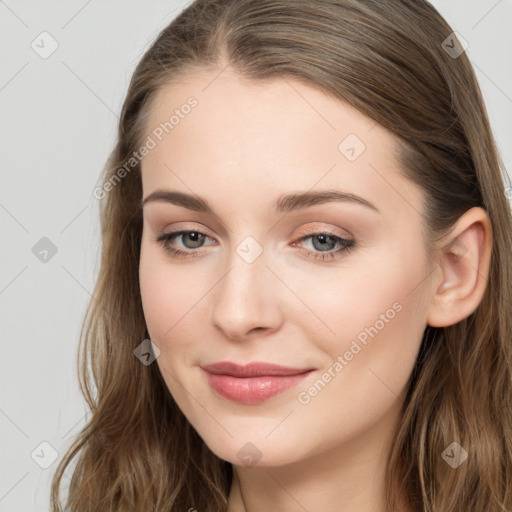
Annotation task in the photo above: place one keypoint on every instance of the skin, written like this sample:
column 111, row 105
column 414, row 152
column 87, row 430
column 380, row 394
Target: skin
column 245, row 144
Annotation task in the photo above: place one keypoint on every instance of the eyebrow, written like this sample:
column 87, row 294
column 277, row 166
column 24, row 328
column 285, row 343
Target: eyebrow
column 284, row 203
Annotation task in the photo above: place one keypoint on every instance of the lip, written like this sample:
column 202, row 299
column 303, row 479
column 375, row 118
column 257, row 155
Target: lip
column 252, row 383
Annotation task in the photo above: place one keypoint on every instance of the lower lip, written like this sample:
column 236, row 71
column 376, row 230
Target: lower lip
column 253, row 390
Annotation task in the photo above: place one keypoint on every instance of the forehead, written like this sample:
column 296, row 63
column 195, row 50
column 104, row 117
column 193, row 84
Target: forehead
column 262, row 138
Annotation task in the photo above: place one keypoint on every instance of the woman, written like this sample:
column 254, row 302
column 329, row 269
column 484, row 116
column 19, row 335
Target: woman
column 305, row 291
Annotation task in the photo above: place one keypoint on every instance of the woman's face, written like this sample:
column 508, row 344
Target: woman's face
column 300, row 245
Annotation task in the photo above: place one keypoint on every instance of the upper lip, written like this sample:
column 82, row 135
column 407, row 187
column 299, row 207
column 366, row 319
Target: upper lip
column 255, row 369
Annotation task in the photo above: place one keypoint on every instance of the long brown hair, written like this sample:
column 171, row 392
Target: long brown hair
column 388, row 59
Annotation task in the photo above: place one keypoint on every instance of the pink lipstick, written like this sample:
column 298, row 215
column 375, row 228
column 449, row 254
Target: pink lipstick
column 252, row 383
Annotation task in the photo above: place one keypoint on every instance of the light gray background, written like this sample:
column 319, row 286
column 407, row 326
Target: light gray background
column 59, row 119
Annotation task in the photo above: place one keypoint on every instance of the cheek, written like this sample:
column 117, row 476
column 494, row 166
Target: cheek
column 378, row 319
column 155, row 295
column 166, row 296
column 377, row 311
column 374, row 291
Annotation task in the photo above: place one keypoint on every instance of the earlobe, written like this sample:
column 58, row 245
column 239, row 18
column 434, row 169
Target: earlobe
column 464, row 261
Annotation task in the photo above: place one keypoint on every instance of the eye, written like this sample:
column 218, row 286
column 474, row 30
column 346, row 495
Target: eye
column 188, row 240
column 320, row 245
column 324, row 245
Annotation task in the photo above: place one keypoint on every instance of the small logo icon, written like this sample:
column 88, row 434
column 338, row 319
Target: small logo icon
column 44, row 45
column 249, row 249
column 351, row 147
column 454, row 455
column 147, row 352
column 249, row 454
column 44, row 250
column 454, row 45
column 44, row 455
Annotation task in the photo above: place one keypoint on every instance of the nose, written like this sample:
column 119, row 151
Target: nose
column 247, row 301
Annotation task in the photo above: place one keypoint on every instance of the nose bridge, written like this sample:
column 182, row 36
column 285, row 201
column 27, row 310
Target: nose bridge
column 245, row 298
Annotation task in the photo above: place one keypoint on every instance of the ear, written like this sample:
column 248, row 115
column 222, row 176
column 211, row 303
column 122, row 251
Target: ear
column 464, row 260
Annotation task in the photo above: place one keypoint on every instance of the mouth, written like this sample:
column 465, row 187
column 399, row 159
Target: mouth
column 252, row 383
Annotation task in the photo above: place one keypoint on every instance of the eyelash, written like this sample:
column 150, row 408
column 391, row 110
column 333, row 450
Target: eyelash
column 346, row 245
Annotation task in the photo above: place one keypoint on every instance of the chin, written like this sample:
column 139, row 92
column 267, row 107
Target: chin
column 256, row 453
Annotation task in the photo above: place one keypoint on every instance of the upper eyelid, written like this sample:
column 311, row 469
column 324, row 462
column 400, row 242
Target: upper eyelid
column 313, row 231
column 307, row 231
column 176, row 231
